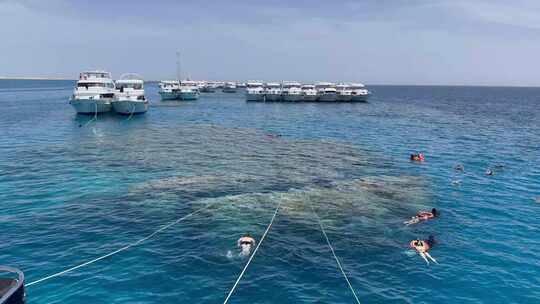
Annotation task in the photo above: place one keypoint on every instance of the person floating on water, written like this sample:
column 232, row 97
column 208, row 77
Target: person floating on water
column 422, row 216
column 459, row 167
column 418, row 157
column 245, row 243
column 489, row 172
column 422, row 247
column 272, row 135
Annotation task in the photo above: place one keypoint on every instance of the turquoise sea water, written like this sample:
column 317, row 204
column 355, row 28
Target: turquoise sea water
column 71, row 193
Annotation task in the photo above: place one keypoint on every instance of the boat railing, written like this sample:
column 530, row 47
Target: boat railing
column 18, row 287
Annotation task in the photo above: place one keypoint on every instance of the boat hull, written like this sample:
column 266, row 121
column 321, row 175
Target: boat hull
column 360, row 98
column 188, row 95
column 272, row 97
column 229, row 90
column 254, row 97
column 91, row 106
column 310, row 98
column 128, row 107
column 344, row 98
column 292, row 97
column 328, row 97
column 168, row 95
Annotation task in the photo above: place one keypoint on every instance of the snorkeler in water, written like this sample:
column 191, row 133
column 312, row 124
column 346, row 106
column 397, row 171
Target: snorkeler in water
column 245, row 243
column 422, row 216
column 489, row 172
column 417, row 157
column 423, row 246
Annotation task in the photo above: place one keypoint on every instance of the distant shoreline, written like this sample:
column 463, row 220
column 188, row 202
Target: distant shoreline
column 368, row 85
column 33, row 78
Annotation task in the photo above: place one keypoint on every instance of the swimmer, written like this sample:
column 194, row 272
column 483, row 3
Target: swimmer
column 245, row 243
column 459, row 167
column 422, row 247
column 489, row 172
column 273, row 135
column 417, row 157
column 422, row 216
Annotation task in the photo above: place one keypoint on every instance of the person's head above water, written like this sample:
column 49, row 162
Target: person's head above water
column 434, row 212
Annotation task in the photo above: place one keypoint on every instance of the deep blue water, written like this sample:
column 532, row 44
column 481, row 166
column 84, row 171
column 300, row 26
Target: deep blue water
column 71, row 193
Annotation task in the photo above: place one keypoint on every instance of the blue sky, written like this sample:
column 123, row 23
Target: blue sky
column 376, row 42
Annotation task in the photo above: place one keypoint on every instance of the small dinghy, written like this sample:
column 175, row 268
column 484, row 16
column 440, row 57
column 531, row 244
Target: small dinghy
column 11, row 286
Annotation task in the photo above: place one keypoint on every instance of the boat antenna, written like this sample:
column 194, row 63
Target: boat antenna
column 178, row 65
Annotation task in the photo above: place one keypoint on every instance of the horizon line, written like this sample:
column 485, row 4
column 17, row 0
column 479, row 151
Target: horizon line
column 373, row 84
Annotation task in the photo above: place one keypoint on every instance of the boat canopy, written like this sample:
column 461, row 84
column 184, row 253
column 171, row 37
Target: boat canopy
column 94, row 74
column 135, row 84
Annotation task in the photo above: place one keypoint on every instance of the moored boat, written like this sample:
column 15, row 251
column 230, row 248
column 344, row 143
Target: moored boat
column 359, row 92
column 272, row 91
column 326, row 91
column 94, row 93
column 229, row 87
column 129, row 98
column 168, row 89
column 344, row 93
column 291, row 91
column 309, row 93
column 188, row 90
column 254, row 91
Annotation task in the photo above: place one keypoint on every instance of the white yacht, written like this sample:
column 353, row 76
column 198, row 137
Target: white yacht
column 168, row 89
column 309, row 93
column 326, row 91
column 94, row 93
column 291, row 91
column 359, row 92
column 189, row 90
column 344, row 93
column 272, row 91
column 129, row 98
column 229, row 87
column 254, row 91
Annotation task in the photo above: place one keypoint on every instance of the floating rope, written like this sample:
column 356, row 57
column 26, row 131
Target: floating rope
column 95, row 116
column 334, row 254
column 132, row 111
column 121, row 249
column 253, row 255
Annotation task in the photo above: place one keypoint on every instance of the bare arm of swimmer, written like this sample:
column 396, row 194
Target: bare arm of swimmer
column 413, row 220
column 423, row 255
column 429, row 256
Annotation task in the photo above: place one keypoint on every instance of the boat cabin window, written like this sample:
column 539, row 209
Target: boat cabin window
column 135, row 86
column 94, row 84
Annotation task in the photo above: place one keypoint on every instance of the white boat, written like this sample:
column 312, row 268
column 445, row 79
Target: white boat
column 344, row 93
column 229, row 87
column 129, row 98
column 272, row 91
column 291, row 91
column 326, row 91
column 188, row 90
column 254, row 91
column 94, row 93
column 359, row 92
column 309, row 93
column 168, row 89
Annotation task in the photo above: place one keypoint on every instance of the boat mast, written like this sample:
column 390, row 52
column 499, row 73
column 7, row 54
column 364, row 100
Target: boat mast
column 178, row 65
